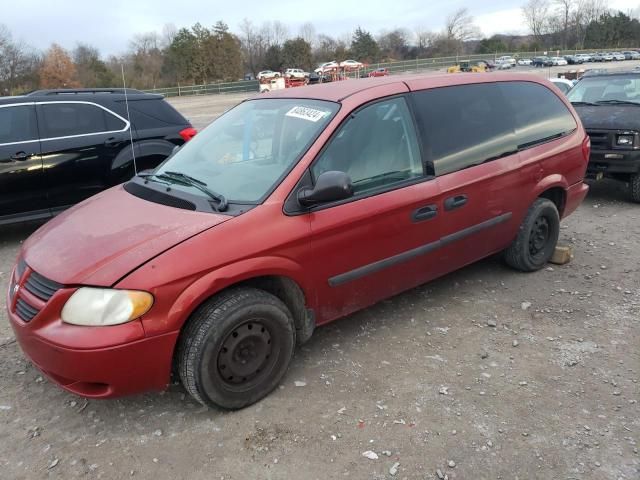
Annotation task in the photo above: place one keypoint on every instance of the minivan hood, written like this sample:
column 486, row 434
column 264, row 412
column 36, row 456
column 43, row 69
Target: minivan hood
column 609, row 117
column 107, row 236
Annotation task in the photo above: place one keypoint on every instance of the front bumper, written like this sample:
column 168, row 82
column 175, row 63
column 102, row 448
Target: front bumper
column 94, row 362
column 614, row 162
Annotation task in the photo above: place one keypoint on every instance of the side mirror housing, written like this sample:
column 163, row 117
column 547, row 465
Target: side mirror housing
column 330, row 187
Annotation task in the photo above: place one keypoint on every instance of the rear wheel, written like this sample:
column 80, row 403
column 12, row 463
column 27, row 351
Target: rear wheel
column 236, row 348
column 634, row 187
column 537, row 238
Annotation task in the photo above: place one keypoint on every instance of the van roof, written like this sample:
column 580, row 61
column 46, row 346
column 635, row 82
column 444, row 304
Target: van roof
column 338, row 91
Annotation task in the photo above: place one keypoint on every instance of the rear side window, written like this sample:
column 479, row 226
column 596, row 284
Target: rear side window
column 18, row 124
column 465, row 125
column 155, row 113
column 539, row 114
column 68, row 119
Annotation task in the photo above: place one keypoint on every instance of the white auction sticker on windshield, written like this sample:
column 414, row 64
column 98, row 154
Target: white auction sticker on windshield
column 307, row 113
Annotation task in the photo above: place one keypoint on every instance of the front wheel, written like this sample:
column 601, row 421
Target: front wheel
column 634, row 186
column 236, row 348
column 537, row 238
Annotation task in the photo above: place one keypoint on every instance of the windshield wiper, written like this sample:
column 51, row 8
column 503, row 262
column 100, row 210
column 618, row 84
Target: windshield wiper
column 617, row 102
column 585, row 103
column 189, row 181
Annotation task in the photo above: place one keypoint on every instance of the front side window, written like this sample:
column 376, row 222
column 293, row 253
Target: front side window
column 244, row 153
column 18, row 124
column 69, row 119
column 463, row 126
column 377, row 147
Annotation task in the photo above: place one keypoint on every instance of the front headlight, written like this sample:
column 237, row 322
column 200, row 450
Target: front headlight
column 625, row 140
column 105, row 306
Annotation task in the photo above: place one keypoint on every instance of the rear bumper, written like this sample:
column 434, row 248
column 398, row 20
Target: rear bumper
column 614, row 162
column 575, row 195
column 94, row 362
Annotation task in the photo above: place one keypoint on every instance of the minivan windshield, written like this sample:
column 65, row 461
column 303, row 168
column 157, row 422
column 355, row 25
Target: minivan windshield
column 245, row 153
column 606, row 89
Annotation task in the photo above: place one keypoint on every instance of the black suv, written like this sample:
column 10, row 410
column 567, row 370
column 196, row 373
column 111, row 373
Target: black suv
column 608, row 103
column 58, row 147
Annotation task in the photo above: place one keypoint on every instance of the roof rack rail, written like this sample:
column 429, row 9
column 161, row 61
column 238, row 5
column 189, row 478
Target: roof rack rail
column 76, row 91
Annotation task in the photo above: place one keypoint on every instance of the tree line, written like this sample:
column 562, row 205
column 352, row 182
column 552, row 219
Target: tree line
column 201, row 54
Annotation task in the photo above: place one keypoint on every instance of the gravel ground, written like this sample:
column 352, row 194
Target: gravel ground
column 483, row 374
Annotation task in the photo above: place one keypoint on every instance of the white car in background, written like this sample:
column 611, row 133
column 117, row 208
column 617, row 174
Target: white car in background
column 507, row 59
column 559, row 61
column 563, row 84
column 295, row 73
column 325, row 67
column 618, row 57
column 585, row 57
column 351, row 64
column 267, row 74
column 525, row 61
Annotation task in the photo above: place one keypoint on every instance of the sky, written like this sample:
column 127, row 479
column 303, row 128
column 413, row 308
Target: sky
column 110, row 25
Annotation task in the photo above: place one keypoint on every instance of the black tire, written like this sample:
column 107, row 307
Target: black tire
column 236, row 348
column 537, row 238
column 634, row 188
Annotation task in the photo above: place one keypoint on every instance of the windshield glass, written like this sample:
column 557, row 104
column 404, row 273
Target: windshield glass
column 625, row 88
column 243, row 154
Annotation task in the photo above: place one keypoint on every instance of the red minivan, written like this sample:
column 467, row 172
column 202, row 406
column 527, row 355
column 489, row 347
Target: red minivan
column 289, row 211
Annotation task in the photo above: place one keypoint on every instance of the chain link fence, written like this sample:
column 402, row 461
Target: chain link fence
column 405, row 66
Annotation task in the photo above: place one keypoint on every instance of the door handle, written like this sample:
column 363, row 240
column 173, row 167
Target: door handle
column 452, row 203
column 21, row 156
column 111, row 141
column 424, row 213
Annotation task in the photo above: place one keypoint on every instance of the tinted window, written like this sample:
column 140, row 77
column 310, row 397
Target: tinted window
column 66, row 119
column 18, row 124
column 539, row 114
column 377, row 147
column 154, row 114
column 465, row 125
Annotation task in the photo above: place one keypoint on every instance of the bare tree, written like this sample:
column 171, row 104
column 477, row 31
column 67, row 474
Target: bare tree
column 536, row 14
column 147, row 58
column 565, row 8
column 308, row 33
column 587, row 11
column 459, row 26
column 423, row 39
column 169, row 32
column 18, row 64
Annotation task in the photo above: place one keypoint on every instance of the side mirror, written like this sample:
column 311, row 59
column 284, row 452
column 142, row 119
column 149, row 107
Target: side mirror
column 330, row 187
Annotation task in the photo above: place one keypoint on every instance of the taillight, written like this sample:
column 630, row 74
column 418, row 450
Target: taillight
column 188, row 133
column 586, row 147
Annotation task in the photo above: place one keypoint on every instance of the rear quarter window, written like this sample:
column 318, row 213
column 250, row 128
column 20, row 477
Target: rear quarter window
column 154, row 113
column 464, row 125
column 539, row 114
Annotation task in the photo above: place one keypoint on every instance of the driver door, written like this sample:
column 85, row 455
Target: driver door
column 368, row 247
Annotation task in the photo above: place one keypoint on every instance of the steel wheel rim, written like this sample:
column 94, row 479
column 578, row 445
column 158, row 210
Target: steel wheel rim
column 246, row 355
column 539, row 236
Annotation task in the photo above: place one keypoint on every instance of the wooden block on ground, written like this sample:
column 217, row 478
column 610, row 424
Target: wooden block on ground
column 562, row 255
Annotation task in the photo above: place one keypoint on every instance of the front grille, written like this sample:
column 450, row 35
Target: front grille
column 25, row 311
column 41, row 287
column 158, row 197
column 599, row 139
